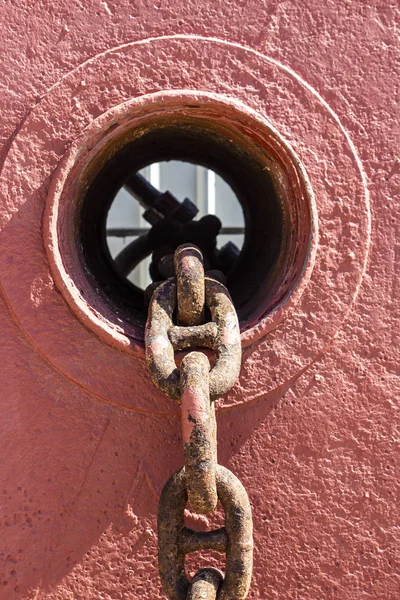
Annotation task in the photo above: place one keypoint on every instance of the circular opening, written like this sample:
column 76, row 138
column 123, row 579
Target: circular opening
column 254, row 177
column 195, row 192
column 208, row 134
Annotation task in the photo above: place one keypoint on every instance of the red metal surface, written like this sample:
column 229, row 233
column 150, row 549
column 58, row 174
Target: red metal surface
column 311, row 427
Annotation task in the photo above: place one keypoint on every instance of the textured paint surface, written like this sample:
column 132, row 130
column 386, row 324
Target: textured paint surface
column 83, row 465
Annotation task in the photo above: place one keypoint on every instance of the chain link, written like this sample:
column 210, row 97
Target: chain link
column 190, row 288
column 201, row 481
column 199, row 432
column 162, row 338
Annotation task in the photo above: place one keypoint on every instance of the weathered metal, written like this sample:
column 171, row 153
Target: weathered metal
column 174, row 539
column 191, row 541
column 205, row 584
column 160, row 349
column 202, row 481
column 204, row 336
column 199, row 433
column 70, row 83
column 189, row 272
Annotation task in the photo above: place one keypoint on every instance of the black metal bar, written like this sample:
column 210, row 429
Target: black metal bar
column 133, row 254
column 144, row 192
column 133, row 231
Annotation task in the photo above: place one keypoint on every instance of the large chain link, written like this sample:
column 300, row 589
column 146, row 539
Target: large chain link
column 195, row 385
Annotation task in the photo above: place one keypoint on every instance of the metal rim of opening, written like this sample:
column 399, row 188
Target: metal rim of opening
column 239, row 144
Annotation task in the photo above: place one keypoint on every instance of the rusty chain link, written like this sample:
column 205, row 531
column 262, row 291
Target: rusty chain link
column 201, row 481
column 222, row 335
column 190, row 289
column 199, row 432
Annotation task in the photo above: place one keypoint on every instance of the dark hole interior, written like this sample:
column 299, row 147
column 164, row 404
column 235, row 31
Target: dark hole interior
column 237, row 160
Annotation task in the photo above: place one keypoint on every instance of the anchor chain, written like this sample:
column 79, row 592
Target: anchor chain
column 195, row 385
